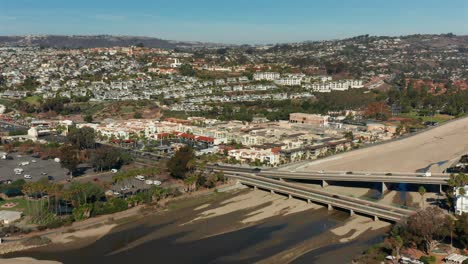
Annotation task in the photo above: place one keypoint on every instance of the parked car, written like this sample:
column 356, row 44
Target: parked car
column 140, row 177
column 27, row 176
column 33, row 161
column 157, row 183
column 114, row 170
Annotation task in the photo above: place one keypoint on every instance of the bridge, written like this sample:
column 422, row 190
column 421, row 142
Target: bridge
column 353, row 205
column 325, row 177
column 380, row 177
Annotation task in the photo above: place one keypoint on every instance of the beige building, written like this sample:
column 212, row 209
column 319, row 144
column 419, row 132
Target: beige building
column 311, row 119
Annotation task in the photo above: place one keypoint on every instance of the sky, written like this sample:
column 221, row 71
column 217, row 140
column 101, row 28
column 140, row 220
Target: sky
column 234, row 21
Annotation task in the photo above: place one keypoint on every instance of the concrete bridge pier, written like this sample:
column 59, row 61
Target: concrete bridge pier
column 272, row 192
column 281, row 179
column 324, row 183
column 289, row 196
column 351, row 212
column 441, row 191
column 255, row 188
column 308, row 201
column 376, row 218
column 330, row 207
column 383, row 189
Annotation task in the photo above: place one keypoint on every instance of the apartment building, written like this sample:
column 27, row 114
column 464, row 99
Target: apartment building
column 266, row 76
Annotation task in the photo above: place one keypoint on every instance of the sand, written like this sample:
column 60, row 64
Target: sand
column 434, row 149
column 95, row 233
column 356, row 227
column 27, row 261
column 268, row 205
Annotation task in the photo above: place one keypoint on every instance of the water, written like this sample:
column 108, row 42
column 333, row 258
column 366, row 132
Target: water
column 222, row 239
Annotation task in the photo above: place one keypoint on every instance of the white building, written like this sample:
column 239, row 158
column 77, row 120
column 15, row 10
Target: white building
column 343, row 85
column 265, row 156
column 289, row 81
column 461, row 201
column 268, row 76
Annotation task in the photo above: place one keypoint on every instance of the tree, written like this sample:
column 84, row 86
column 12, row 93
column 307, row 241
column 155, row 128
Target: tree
column 461, row 229
column 422, row 191
column 82, row 138
column 396, row 243
column 181, row 162
column 187, row 70
column 108, row 158
column 69, row 158
column 425, row 227
column 137, row 115
column 88, row 118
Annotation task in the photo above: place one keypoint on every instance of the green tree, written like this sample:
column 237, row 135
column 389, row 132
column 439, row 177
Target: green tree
column 88, row 118
column 181, row 162
column 187, row 70
column 69, row 158
column 137, row 115
column 82, row 138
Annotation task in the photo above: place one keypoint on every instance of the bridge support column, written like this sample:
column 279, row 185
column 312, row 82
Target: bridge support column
column 281, row 179
column 376, row 218
column 289, row 196
column 324, row 184
column 308, row 201
column 351, row 212
column 441, row 191
column 255, row 188
column 272, row 192
column 330, row 207
column 383, row 189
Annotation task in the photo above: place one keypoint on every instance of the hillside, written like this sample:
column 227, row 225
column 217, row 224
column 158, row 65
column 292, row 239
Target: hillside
column 95, row 41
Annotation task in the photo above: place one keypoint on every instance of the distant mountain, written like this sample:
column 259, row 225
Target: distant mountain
column 94, row 41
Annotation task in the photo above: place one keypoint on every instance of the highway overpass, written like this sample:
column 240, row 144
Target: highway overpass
column 354, row 205
column 380, row 177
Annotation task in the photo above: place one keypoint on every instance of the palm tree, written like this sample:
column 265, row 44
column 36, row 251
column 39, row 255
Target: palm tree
column 462, row 192
column 422, row 191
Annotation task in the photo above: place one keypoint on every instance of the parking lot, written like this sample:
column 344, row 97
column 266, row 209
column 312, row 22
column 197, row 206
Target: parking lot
column 35, row 169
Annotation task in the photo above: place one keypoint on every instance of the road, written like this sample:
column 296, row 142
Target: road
column 414, row 178
column 433, row 150
column 349, row 203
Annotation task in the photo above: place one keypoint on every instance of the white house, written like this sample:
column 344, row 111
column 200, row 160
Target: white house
column 461, row 201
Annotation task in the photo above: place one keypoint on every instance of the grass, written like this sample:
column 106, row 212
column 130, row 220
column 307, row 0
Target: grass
column 33, row 100
column 436, row 118
column 22, row 204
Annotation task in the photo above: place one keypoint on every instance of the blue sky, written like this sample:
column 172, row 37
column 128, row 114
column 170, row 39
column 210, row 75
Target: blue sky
column 234, row 21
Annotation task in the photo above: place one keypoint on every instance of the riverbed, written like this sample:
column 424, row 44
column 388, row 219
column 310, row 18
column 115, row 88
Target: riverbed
column 240, row 227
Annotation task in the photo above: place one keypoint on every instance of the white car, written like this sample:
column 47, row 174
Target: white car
column 33, row 161
column 27, row 176
column 149, row 182
column 24, row 163
column 125, row 188
column 140, row 177
column 114, row 170
column 157, row 183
